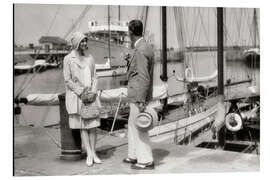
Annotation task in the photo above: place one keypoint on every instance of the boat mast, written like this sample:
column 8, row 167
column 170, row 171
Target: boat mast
column 222, row 131
column 119, row 15
column 109, row 31
column 255, row 27
column 119, row 23
column 164, row 76
column 220, row 50
column 145, row 18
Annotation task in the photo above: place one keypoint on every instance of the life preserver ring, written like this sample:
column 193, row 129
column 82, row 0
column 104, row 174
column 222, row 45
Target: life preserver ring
column 233, row 122
column 189, row 74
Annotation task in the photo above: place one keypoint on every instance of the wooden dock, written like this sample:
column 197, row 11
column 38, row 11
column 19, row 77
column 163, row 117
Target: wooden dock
column 36, row 154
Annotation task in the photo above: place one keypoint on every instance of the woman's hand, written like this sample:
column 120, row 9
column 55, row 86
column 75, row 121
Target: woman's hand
column 88, row 97
column 83, row 92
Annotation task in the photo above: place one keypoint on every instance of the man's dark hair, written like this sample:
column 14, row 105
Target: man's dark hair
column 136, row 27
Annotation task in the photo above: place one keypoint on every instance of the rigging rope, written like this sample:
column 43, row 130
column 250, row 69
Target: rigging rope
column 55, row 15
column 207, row 35
column 74, row 25
column 21, row 88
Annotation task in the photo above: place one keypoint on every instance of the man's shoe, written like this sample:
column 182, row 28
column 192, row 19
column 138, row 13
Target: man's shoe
column 130, row 161
column 140, row 166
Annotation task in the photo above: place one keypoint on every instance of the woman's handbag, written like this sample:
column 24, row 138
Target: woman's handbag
column 88, row 108
column 89, row 111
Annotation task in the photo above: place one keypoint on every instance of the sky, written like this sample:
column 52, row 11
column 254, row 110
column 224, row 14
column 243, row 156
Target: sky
column 31, row 21
column 34, row 20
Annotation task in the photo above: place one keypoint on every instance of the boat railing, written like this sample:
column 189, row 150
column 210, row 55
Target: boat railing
column 102, row 23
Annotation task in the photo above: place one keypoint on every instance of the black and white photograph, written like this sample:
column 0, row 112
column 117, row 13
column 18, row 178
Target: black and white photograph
column 119, row 89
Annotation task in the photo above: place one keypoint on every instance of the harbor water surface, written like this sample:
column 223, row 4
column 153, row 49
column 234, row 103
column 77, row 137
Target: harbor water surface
column 202, row 64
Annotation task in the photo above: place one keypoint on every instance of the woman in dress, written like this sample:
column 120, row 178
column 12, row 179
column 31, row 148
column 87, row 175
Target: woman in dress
column 80, row 74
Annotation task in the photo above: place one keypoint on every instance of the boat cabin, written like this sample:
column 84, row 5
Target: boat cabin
column 117, row 32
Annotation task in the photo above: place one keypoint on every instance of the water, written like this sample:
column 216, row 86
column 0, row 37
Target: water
column 202, row 63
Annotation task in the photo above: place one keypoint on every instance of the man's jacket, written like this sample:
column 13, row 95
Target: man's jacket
column 140, row 73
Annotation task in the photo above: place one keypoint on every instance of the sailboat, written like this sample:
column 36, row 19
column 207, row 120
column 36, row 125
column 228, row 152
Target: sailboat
column 194, row 114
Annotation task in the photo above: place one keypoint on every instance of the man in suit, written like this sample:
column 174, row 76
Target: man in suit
column 140, row 83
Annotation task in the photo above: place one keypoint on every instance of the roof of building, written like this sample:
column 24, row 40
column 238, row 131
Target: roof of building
column 52, row 39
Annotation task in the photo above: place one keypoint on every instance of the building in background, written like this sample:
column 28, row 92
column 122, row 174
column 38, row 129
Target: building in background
column 52, row 43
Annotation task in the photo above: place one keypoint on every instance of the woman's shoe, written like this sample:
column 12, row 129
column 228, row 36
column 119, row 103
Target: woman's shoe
column 97, row 160
column 89, row 161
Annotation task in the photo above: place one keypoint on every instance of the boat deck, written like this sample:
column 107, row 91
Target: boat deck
column 36, row 154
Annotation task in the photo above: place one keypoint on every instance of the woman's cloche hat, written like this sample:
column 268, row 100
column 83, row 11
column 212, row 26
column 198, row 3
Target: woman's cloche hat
column 76, row 38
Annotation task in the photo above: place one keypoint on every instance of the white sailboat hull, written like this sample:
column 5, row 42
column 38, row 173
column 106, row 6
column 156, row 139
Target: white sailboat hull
column 179, row 129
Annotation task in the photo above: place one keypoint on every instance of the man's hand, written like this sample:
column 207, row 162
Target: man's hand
column 141, row 106
column 214, row 131
column 126, row 56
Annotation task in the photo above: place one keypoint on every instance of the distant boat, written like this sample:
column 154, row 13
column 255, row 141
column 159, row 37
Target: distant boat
column 103, row 70
column 40, row 65
column 106, row 66
column 252, row 57
column 108, row 42
column 52, row 65
column 21, row 69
